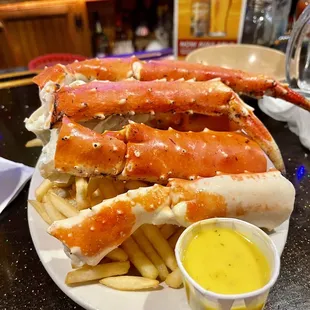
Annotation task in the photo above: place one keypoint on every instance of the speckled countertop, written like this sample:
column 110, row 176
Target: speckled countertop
column 24, row 283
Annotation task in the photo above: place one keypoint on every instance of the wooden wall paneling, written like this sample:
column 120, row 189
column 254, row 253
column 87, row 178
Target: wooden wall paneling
column 34, row 29
column 84, row 44
column 30, row 9
column 79, row 28
column 38, row 30
column 6, row 56
column 32, row 43
column 24, row 52
column 52, row 35
column 72, row 33
column 12, row 36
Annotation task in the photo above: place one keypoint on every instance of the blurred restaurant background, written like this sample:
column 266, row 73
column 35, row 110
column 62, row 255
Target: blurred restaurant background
column 35, row 34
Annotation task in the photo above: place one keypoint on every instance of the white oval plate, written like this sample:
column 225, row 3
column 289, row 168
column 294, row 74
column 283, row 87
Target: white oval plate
column 97, row 296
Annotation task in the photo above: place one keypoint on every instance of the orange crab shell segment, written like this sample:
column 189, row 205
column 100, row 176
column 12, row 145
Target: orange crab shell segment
column 80, row 150
column 263, row 199
column 55, row 74
column 191, row 122
column 175, row 70
column 110, row 69
column 241, row 82
column 105, row 229
column 94, row 232
column 97, row 99
column 157, row 155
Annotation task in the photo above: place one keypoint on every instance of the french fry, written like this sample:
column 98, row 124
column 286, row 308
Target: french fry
column 129, row 283
column 107, row 188
column 148, row 249
column 174, row 279
column 90, row 273
column 174, row 238
column 42, row 189
column 81, row 193
column 139, row 259
column 62, row 205
column 40, row 209
column 161, row 245
column 168, row 230
column 34, row 143
column 134, row 184
column 52, row 212
column 93, row 185
column 118, row 255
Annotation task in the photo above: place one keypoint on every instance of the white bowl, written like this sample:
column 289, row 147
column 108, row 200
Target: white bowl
column 247, row 57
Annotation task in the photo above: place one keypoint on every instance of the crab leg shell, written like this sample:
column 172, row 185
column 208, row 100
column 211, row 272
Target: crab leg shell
column 111, row 69
column 246, row 120
column 240, row 81
column 191, row 122
column 157, row 155
column 81, row 151
column 263, row 199
column 145, row 153
column 94, row 232
column 97, row 100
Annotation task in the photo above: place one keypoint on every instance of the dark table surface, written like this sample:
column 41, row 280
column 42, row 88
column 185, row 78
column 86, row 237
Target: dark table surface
column 24, row 283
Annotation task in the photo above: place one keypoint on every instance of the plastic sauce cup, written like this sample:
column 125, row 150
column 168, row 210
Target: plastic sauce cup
column 201, row 299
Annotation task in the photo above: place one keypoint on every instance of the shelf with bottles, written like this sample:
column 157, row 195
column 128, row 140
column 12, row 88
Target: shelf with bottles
column 129, row 26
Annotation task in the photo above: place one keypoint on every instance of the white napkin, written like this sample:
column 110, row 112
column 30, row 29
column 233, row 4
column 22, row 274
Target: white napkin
column 13, row 177
column 298, row 119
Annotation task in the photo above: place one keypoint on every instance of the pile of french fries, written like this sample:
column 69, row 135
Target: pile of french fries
column 149, row 252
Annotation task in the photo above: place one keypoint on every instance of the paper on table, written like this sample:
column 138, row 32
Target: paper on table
column 298, row 119
column 13, row 177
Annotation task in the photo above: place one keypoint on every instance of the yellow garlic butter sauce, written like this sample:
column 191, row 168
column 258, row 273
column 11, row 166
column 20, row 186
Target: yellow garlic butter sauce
column 224, row 261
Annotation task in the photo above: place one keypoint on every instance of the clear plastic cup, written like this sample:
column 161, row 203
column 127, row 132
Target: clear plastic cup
column 201, row 299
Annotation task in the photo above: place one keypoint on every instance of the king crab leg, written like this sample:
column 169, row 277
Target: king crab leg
column 253, row 85
column 96, row 100
column 263, row 199
column 139, row 152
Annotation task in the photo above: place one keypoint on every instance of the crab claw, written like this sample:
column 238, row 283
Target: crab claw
column 246, row 120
